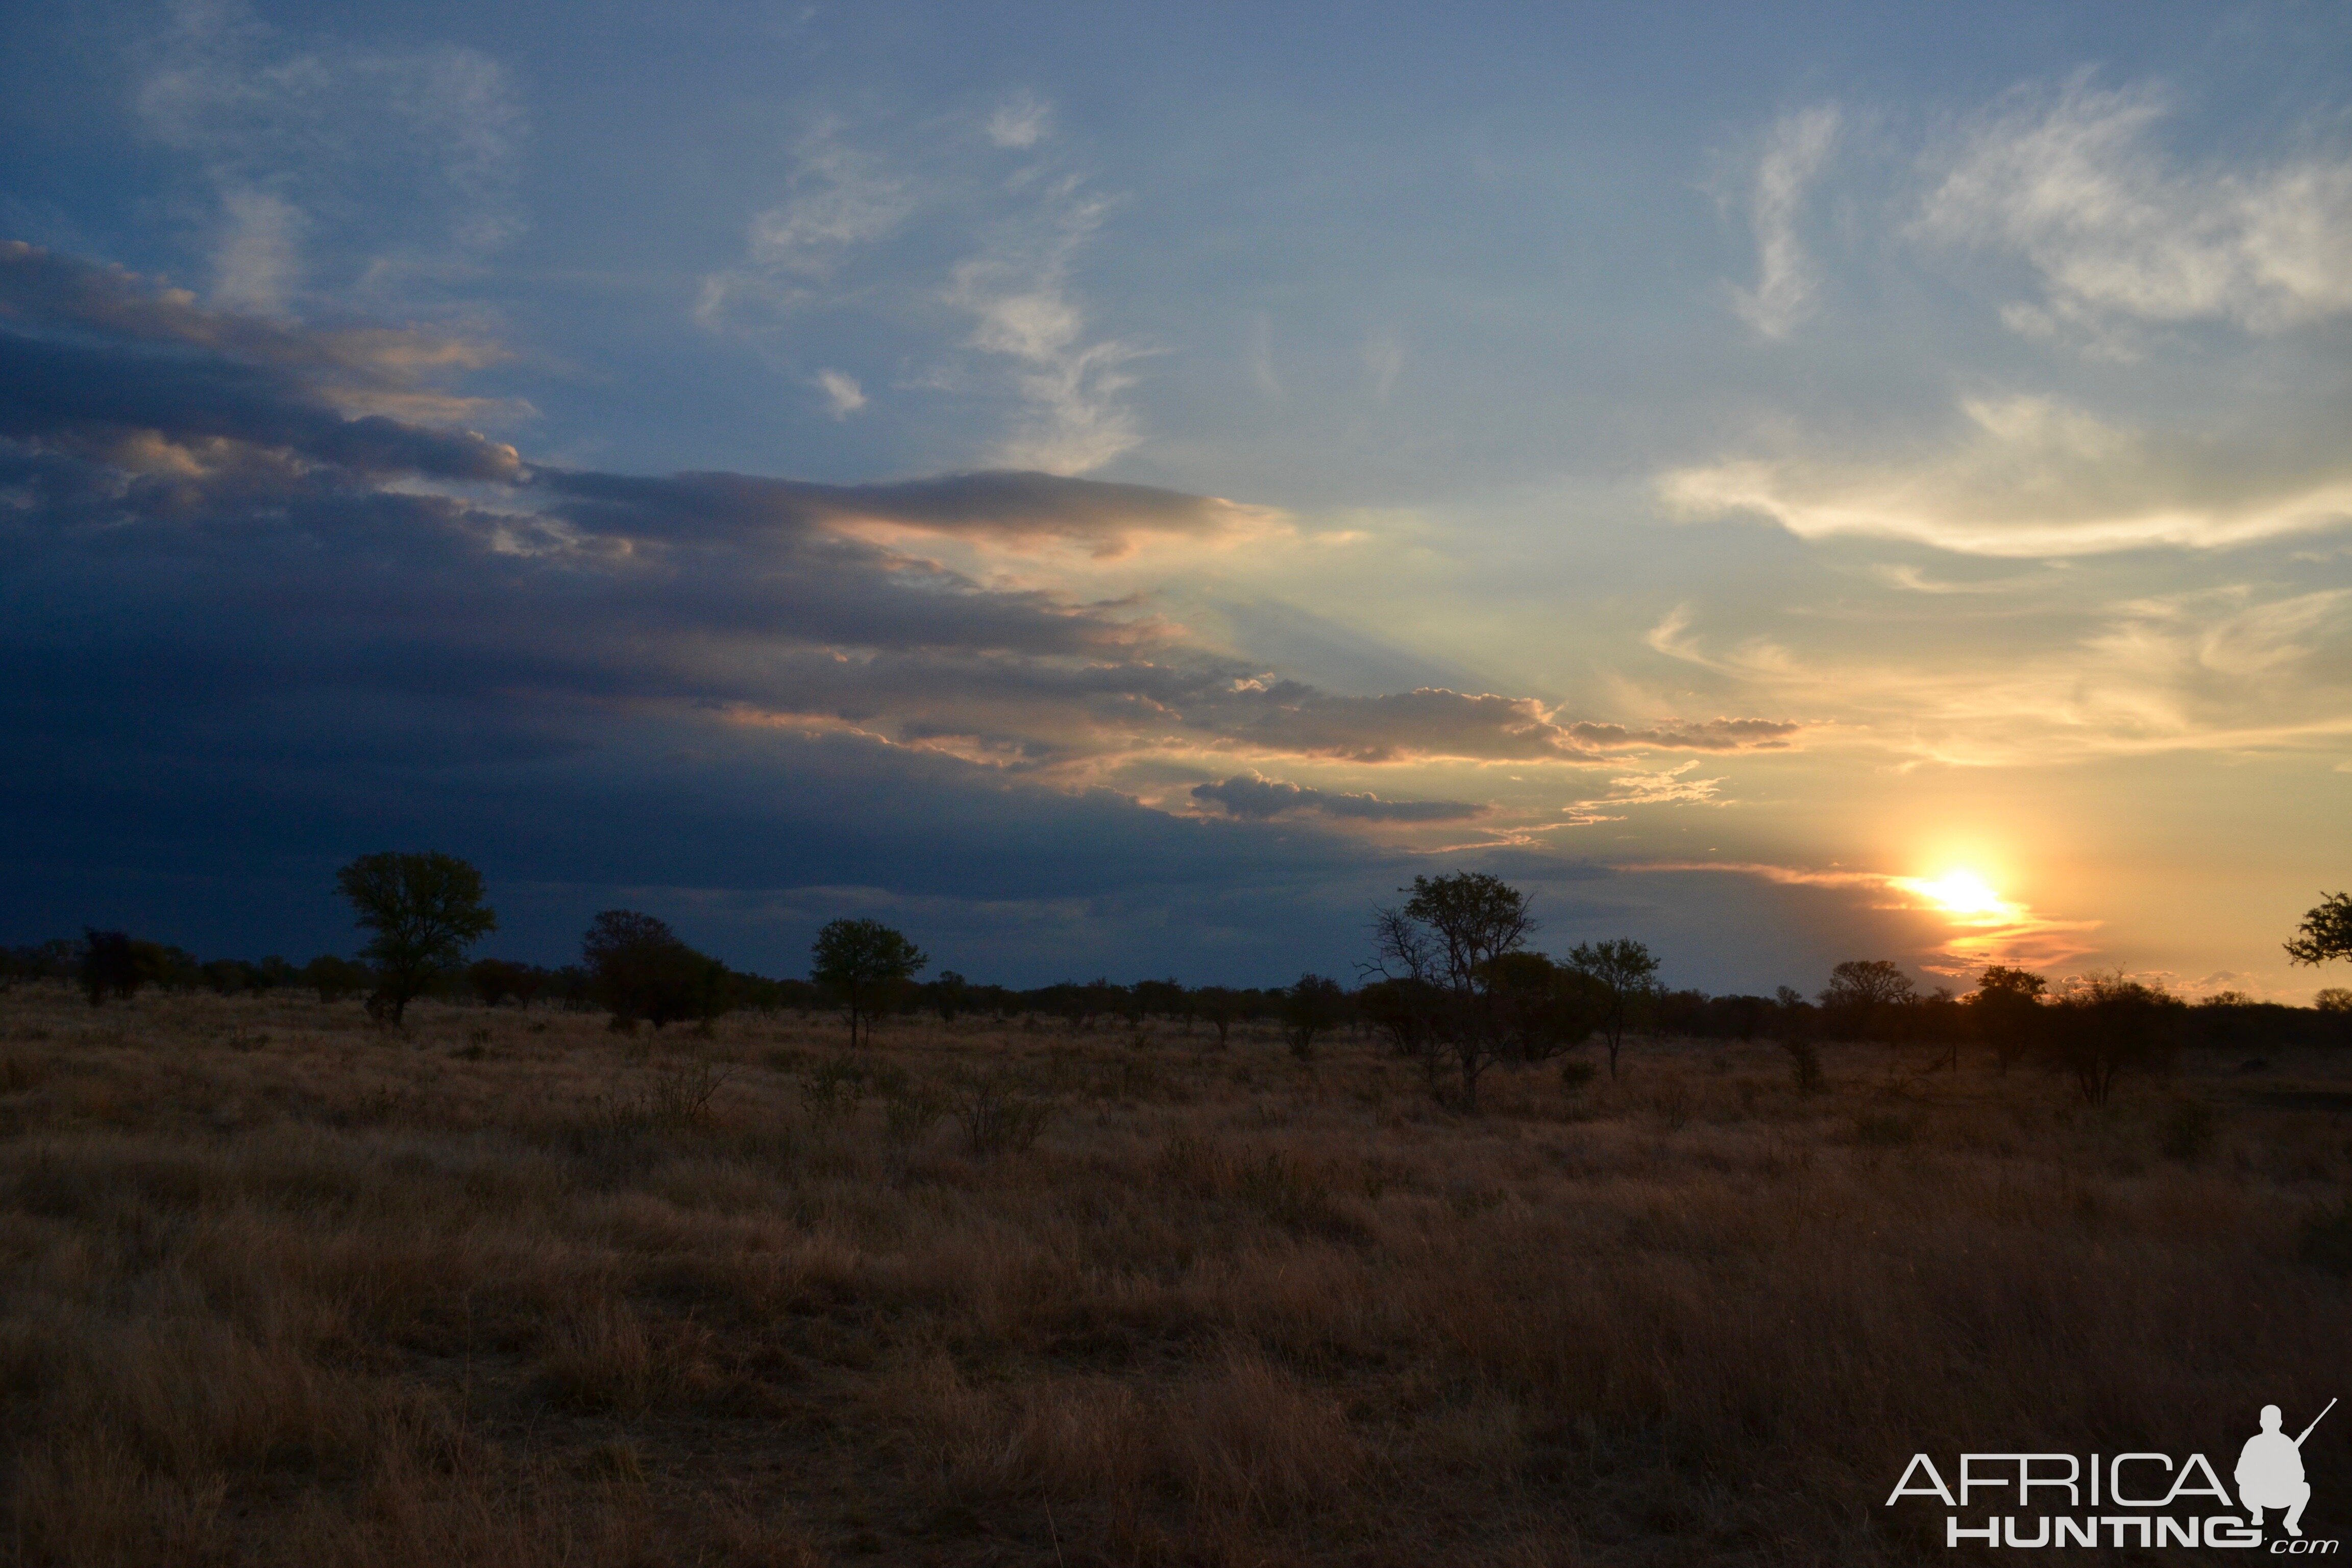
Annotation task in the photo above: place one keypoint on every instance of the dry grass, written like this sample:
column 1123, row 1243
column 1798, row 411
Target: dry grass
column 276, row 1287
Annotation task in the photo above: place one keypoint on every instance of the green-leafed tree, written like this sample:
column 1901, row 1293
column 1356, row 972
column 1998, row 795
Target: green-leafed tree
column 862, row 964
column 424, row 909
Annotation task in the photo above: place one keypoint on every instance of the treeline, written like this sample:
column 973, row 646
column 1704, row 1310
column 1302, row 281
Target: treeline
column 1899, row 1014
column 1451, row 983
column 114, row 965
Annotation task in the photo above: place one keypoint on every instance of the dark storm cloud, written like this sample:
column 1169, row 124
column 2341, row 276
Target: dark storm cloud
column 994, row 505
column 1255, row 797
column 42, row 292
column 207, row 468
column 245, row 616
column 89, row 398
column 1707, row 735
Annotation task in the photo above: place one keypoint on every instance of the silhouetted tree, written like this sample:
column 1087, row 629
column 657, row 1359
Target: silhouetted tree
column 1220, row 1006
column 1404, row 1012
column 1442, row 943
column 639, row 969
column 1540, row 1008
column 495, row 979
column 1859, row 995
column 170, row 968
column 229, row 976
column 1163, row 998
column 1309, row 1008
column 426, row 911
column 2006, row 1010
column 2326, row 932
column 863, row 963
column 2111, row 1025
column 950, row 994
column 109, row 966
column 335, row 978
column 1621, row 972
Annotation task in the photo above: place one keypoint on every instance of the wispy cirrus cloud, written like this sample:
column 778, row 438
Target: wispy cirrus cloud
column 2032, row 476
column 862, row 225
column 1794, row 154
column 843, row 395
column 842, row 198
column 1072, row 379
column 384, row 157
column 1020, row 121
column 2072, row 668
column 2076, row 182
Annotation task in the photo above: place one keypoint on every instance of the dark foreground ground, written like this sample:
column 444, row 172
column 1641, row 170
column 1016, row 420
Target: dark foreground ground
column 277, row 1287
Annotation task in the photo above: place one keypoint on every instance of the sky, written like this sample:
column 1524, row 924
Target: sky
column 1121, row 490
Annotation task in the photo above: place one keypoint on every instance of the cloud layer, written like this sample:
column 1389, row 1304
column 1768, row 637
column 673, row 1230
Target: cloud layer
column 188, row 476
column 1257, row 798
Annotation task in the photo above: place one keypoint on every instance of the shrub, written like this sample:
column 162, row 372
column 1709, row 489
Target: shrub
column 909, row 1111
column 999, row 1113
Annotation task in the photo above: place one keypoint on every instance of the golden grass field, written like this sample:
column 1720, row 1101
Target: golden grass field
column 279, row 1287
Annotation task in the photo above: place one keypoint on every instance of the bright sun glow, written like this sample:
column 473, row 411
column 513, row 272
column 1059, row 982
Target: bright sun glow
column 1962, row 893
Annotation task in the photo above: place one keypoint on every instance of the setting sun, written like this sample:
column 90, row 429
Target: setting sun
column 1961, row 893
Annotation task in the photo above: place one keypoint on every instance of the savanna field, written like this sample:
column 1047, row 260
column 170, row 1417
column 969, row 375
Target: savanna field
column 279, row 1285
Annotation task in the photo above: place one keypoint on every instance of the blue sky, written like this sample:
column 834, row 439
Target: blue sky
column 1117, row 490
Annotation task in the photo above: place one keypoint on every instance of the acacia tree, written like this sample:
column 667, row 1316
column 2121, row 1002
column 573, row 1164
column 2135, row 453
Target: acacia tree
column 862, row 962
column 2326, row 932
column 1863, row 990
column 1309, row 1008
column 638, row 968
column 426, row 911
column 1621, row 972
column 1219, row 1004
column 2005, row 1008
column 1541, row 1008
column 2109, row 1025
column 110, row 963
column 1440, row 947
